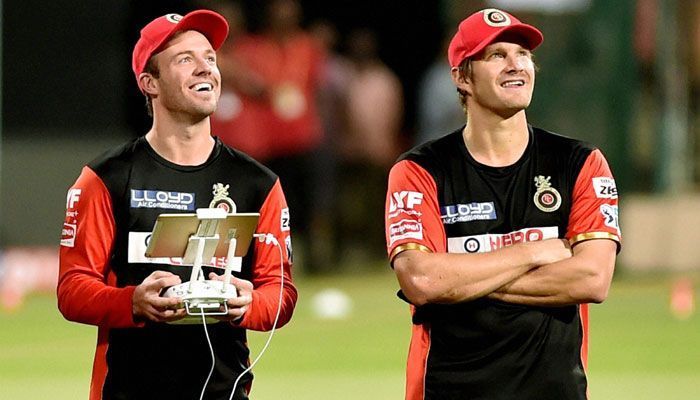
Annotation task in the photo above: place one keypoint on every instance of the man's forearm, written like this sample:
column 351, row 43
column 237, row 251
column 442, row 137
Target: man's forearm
column 584, row 278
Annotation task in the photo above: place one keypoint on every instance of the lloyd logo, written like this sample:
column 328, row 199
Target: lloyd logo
column 405, row 200
column 468, row 212
column 141, row 198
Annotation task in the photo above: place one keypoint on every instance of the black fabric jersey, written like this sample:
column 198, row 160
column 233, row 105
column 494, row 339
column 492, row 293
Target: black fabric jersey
column 442, row 200
column 120, row 195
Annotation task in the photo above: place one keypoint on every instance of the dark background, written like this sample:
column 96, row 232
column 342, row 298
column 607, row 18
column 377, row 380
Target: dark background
column 66, row 64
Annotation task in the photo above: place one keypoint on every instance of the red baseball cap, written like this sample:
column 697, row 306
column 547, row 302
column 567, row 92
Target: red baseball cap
column 157, row 32
column 482, row 28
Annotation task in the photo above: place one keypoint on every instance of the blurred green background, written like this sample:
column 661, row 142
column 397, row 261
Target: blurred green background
column 638, row 349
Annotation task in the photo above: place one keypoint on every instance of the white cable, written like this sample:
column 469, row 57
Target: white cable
column 269, row 238
column 211, row 350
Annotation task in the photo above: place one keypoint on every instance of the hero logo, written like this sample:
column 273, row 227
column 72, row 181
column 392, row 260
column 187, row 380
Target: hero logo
column 468, row 212
column 605, row 187
column 494, row 241
column 161, row 199
column 405, row 200
column 72, row 198
column 405, row 229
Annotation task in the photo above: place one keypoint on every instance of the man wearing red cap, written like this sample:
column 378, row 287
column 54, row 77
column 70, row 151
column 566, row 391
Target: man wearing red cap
column 499, row 234
column 178, row 166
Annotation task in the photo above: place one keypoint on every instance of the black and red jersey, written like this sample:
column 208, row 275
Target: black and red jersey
column 440, row 199
column 110, row 212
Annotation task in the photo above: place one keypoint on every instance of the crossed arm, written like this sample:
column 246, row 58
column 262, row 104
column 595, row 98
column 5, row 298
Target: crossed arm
column 545, row 273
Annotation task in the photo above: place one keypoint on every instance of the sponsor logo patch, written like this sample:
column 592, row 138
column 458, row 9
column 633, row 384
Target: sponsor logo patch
column 452, row 214
column 405, row 229
column 70, row 225
column 290, row 252
column 144, row 198
column 405, row 200
column 494, row 241
column 604, row 187
column 68, row 235
column 72, row 197
column 610, row 216
column 284, row 219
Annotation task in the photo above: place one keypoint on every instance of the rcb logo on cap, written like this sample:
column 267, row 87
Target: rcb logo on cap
column 495, row 17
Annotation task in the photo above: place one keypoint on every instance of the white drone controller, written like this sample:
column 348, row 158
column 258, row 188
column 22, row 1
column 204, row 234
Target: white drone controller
column 202, row 297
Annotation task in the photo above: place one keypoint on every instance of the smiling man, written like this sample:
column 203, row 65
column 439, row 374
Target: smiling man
column 176, row 167
column 500, row 233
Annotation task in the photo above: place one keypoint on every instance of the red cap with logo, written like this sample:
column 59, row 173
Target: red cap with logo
column 157, row 32
column 482, row 28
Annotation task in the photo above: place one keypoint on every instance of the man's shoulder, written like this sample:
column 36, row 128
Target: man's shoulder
column 433, row 150
column 119, row 154
column 559, row 142
column 246, row 163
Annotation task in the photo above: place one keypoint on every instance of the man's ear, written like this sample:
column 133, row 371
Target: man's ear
column 461, row 82
column 148, row 84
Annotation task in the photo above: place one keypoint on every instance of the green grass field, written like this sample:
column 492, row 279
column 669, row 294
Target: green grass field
column 638, row 350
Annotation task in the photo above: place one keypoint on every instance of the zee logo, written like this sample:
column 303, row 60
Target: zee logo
column 284, row 219
column 405, row 200
column 604, row 187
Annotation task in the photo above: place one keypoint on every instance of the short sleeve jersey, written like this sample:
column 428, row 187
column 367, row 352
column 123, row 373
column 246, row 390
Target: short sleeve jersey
column 442, row 200
column 111, row 211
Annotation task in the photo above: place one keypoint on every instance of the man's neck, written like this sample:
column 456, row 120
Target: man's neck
column 495, row 141
column 180, row 143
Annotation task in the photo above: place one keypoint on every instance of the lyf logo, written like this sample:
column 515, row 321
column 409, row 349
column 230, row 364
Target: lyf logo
column 405, row 200
column 72, row 198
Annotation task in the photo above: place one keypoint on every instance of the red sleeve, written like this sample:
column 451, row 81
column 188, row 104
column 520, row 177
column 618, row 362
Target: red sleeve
column 274, row 219
column 412, row 214
column 594, row 212
column 86, row 288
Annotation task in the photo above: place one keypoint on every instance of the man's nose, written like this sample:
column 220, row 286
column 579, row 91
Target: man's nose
column 203, row 66
column 515, row 62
